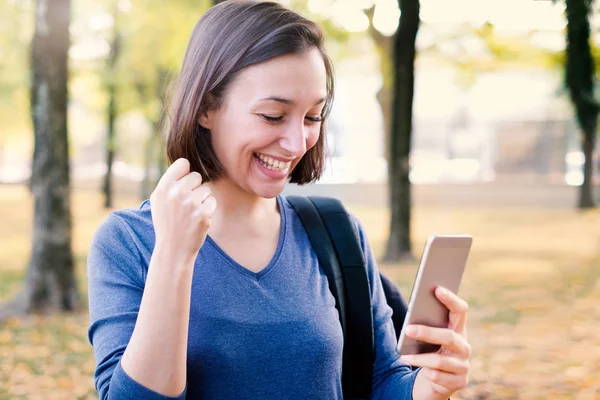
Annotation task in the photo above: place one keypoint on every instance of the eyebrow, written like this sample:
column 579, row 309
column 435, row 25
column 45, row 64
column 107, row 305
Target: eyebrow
column 288, row 101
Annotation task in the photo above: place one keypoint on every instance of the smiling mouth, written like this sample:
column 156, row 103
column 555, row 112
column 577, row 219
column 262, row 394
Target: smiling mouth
column 272, row 164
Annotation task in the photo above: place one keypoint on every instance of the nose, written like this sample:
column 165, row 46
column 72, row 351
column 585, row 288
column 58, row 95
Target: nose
column 294, row 138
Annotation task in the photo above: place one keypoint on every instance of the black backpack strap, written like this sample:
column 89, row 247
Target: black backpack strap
column 323, row 247
column 334, row 222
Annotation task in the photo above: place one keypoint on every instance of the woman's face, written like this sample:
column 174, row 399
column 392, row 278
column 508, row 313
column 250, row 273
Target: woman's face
column 270, row 117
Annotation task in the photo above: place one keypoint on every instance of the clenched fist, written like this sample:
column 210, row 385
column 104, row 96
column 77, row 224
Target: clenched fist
column 182, row 209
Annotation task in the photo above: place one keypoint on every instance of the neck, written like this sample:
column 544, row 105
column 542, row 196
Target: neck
column 239, row 209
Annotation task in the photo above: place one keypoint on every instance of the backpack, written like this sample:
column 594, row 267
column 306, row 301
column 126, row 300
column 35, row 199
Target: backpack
column 336, row 244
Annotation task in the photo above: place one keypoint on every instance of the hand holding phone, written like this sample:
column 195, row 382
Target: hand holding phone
column 442, row 265
column 437, row 318
column 446, row 371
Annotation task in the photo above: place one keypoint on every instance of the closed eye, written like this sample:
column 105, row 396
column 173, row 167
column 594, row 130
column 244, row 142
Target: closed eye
column 270, row 118
column 274, row 119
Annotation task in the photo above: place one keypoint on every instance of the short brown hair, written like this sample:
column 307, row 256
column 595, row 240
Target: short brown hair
column 228, row 38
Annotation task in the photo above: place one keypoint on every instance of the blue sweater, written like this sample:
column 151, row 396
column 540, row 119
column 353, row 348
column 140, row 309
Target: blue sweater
column 274, row 334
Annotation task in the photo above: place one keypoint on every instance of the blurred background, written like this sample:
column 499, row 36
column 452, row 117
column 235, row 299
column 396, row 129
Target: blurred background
column 475, row 116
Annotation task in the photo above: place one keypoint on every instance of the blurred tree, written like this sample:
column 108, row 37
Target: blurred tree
column 579, row 78
column 153, row 46
column 384, row 46
column 132, row 48
column 154, row 151
column 399, row 244
column 111, row 83
column 16, row 27
column 50, row 281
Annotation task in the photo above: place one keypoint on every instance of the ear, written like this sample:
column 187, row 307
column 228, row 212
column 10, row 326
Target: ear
column 206, row 119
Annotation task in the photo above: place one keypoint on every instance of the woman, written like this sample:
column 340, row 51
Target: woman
column 211, row 289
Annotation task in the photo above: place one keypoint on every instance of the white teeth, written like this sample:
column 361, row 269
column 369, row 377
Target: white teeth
column 273, row 164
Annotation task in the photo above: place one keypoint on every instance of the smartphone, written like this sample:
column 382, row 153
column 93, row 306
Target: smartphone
column 442, row 264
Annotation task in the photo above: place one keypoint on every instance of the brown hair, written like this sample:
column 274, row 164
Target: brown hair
column 228, row 38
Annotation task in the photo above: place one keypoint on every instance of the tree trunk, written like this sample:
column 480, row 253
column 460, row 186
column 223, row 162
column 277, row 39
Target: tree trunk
column 110, row 146
column 111, row 116
column 586, row 197
column 146, row 187
column 579, row 77
column 384, row 45
column 399, row 245
column 384, row 98
column 153, row 157
column 155, row 146
column 50, row 282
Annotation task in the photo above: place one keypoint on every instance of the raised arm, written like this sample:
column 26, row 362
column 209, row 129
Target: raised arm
column 139, row 330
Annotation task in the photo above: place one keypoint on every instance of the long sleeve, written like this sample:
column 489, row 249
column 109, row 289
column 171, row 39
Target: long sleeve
column 392, row 379
column 116, row 276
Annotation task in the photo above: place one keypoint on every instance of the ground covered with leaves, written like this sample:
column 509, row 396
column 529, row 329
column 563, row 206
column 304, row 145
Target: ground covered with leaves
column 532, row 283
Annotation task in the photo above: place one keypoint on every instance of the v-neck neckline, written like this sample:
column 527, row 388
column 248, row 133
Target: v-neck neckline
column 278, row 250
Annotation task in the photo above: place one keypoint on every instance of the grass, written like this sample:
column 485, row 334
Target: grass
column 532, row 284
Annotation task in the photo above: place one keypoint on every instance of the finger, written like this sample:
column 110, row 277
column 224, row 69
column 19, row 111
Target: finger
column 441, row 390
column 458, row 308
column 209, row 206
column 437, row 361
column 203, row 214
column 454, row 303
column 200, row 194
column 446, row 382
column 448, row 338
column 458, row 323
column 177, row 170
column 191, row 181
